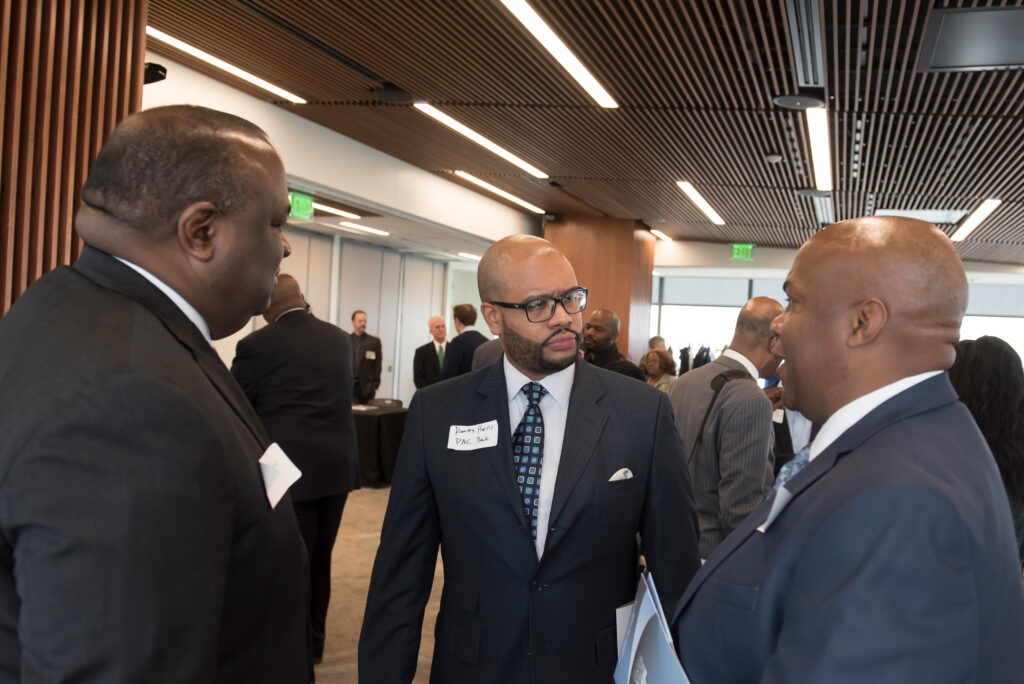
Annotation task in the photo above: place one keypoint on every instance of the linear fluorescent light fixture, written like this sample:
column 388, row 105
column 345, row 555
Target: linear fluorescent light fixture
column 467, row 255
column 364, row 229
column 821, row 157
column 974, row 220
column 661, row 236
column 336, row 212
column 221, row 64
column 823, row 210
column 497, row 149
column 499, row 192
column 554, row 45
column 701, row 203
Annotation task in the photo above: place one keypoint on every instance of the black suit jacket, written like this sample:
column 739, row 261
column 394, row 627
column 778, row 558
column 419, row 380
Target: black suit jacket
column 505, row 616
column 367, row 369
column 136, row 540
column 458, row 357
column 426, row 369
column 297, row 372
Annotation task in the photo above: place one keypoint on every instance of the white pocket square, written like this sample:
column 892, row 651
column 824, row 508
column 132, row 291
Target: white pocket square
column 623, row 474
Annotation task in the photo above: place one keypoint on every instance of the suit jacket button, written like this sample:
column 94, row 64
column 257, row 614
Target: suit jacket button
column 537, row 586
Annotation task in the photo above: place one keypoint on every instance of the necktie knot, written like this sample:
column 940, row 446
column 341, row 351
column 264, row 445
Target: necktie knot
column 534, row 392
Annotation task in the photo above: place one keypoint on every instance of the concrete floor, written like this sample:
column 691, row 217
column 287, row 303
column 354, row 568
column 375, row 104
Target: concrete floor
column 352, row 562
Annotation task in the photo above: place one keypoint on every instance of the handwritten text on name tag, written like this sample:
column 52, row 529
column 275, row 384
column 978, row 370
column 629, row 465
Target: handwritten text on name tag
column 469, row 437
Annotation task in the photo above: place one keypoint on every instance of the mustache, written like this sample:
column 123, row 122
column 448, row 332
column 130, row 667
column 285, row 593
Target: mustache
column 560, row 331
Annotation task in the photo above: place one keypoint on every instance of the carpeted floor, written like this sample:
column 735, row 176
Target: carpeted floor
column 354, row 552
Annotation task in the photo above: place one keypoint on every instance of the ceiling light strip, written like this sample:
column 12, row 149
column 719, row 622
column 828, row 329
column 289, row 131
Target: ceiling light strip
column 701, row 203
column 821, row 156
column 554, row 45
column 364, row 229
column 336, row 212
column 221, row 64
column 661, row 236
column 467, row 255
column 497, row 149
column 498, row 191
column 974, row 220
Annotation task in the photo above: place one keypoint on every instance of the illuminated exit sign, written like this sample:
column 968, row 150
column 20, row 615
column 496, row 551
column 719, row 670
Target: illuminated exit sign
column 302, row 206
column 742, row 252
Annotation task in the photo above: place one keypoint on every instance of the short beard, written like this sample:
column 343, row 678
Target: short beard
column 529, row 355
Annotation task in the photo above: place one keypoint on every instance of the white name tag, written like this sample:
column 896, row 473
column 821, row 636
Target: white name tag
column 370, row 354
column 779, row 415
column 279, row 473
column 470, row 437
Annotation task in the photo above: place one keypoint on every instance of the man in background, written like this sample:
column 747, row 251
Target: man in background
column 487, row 353
column 139, row 541
column 656, row 342
column 297, row 374
column 600, row 340
column 886, row 553
column 366, row 360
column 725, row 421
column 427, row 361
column 458, row 358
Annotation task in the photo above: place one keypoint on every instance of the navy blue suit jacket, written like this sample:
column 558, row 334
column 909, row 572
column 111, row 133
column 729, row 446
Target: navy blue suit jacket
column 458, row 355
column 893, row 562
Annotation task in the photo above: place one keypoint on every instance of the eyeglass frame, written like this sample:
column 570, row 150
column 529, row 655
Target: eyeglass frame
column 555, row 301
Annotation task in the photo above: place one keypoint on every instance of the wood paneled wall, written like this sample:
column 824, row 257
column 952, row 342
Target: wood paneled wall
column 613, row 259
column 69, row 71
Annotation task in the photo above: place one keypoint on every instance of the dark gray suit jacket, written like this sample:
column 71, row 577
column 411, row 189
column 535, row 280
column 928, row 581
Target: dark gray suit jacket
column 137, row 541
column 894, row 562
column 732, row 470
column 505, row 616
column 426, row 369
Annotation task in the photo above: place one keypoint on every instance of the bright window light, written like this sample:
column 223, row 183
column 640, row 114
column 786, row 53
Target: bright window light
column 498, row 191
column 497, row 149
column 336, row 212
column 467, row 255
column 221, row 64
column 553, row 44
column 364, row 229
column 661, row 236
column 821, row 157
column 701, row 203
column 975, row 219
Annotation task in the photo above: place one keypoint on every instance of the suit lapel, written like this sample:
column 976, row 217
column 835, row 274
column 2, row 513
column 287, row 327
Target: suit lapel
column 107, row 272
column 492, row 401
column 584, row 424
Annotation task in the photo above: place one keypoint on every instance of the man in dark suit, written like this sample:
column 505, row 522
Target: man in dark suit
column 426, row 362
column 366, row 360
column 487, row 353
column 887, row 552
column 140, row 543
column 297, row 372
column 725, row 421
column 458, row 358
column 533, row 571
column 600, row 340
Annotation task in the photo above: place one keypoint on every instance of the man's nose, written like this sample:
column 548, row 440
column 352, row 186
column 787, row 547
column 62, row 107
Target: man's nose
column 286, row 249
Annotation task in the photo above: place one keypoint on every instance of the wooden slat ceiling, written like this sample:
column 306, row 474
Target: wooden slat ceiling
column 694, row 80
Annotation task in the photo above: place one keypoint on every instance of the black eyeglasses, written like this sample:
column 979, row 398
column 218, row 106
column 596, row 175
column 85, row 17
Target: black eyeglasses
column 543, row 308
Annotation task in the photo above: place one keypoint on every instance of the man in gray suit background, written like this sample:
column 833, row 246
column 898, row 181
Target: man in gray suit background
column 725, row 421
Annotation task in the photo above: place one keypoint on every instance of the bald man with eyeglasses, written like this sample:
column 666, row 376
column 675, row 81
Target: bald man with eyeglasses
column 535, row 476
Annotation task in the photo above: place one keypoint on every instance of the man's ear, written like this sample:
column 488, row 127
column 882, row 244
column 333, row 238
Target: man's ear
column 867, row 318
column 197, row 228
column 492, row 317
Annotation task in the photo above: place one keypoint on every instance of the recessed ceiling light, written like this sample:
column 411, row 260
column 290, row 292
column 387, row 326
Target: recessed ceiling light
column 798, row 102
column 467, row 255
column 938, row 216
column 497, row 149
column 498, row 191
column 221, row 64
column 661, row 236
column 364, row 229
column 336, row 212
column 821, row 157
column 974, row 220
column 823, row 210
column 554, row 45
column 701, row 203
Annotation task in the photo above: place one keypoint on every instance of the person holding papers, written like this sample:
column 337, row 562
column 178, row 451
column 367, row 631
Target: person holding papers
column 534, row 476
column 885, row 552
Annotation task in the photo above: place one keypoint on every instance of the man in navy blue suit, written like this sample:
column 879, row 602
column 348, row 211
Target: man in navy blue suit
column 888, row 555
column 458, row 358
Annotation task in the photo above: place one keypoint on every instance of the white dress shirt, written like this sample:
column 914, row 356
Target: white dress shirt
column 736, row 356
column 178, row 300
column 554, row 407
column 848, row 416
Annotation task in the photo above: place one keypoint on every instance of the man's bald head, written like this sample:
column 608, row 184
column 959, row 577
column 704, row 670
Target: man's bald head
column 754, row 337
column 161, row 160
column 286, row 295
column 500, row 262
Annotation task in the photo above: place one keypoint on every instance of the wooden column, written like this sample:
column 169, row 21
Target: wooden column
column 613, row 258
column 69, row 71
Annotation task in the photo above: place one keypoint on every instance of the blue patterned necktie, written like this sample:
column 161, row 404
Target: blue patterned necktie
column 787, row 471
column 528, row 453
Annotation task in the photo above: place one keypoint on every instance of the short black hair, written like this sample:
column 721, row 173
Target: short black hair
column 159, row 161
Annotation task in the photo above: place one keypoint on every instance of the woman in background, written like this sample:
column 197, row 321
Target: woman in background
column 660, row 368
column 989, row 379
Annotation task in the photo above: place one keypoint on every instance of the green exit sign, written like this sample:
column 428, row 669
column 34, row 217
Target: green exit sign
column 742, row 252
column 302, row 206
